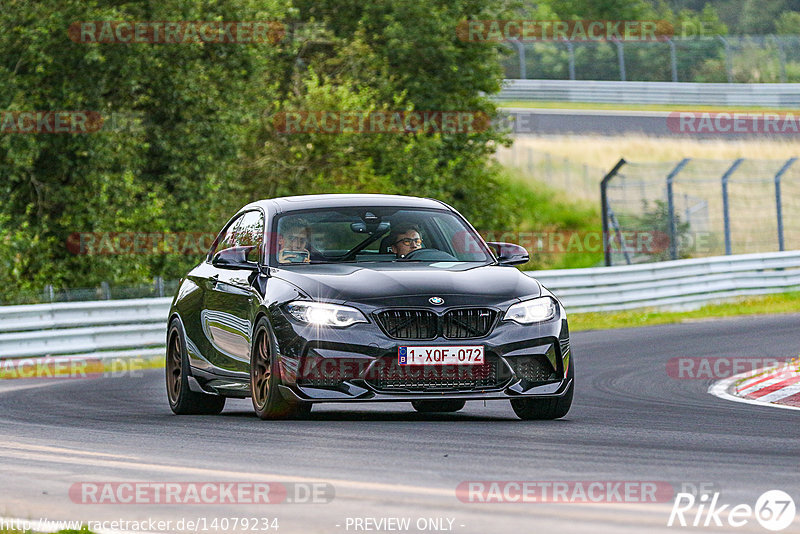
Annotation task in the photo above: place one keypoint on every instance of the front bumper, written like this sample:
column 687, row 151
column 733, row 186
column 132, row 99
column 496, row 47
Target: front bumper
column 355, row 364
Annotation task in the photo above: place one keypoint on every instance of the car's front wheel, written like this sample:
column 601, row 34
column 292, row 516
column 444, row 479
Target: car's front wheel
column 432, row 406
column 183, row 400
column 268, row 401
column 547, row 408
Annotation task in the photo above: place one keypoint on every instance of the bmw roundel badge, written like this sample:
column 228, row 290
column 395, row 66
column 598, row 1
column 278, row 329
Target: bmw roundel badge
column 436, row 300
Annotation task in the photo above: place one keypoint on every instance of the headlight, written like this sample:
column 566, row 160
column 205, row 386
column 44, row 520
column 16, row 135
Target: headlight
column 533, row 311
column 324, row 314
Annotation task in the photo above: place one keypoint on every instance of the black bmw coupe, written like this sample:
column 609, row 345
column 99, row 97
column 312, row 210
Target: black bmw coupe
column 355, row 298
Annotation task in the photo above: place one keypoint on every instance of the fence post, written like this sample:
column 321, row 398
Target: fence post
column 728, row 58
column 781, row 58
column 159, row 283
column 621, row 59
column 604, row 208
column 521, row 55
column 673, row 60
column 725, row 209
column 778, row 207
column 571, row 56
column 49, row 294
column 673, row 225
column 106, row 289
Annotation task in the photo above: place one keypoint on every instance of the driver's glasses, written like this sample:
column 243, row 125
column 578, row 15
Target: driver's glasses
column 410, row 242
column 296, row 241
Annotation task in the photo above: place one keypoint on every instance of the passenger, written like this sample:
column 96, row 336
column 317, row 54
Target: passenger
column 293, row 242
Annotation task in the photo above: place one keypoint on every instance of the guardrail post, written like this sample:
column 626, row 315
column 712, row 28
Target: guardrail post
column 621, row 59
column 725, row 208
column 604, row 207
column 673, row 225
column 778, row 207
column 673, row 59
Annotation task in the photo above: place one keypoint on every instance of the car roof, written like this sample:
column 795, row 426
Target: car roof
column 302, row 202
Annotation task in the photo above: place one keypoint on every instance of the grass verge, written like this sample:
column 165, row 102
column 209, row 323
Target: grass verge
column 547, row 218
column 761, row 305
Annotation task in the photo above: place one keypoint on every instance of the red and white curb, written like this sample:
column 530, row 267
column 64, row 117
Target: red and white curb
column 778, row 387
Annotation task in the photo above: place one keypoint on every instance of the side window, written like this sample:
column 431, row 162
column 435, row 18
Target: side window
column 250, row 233
column 228, row 239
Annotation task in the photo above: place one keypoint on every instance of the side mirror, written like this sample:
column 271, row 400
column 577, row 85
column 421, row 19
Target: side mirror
column 234, row 258
column 509, row 253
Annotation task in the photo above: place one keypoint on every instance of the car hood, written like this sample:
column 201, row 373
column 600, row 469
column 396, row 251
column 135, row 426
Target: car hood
column 405, row 284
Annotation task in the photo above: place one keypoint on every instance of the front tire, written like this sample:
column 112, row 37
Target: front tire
column 182, row 400
column 440, row 406
column 268, row 402
column 552, row 408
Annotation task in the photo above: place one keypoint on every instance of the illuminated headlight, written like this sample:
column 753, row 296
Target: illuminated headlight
column 532, row 311
column 324, row 314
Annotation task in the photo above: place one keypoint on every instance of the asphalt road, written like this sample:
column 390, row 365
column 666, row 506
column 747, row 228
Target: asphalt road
column 528, row 121
column 630, row 422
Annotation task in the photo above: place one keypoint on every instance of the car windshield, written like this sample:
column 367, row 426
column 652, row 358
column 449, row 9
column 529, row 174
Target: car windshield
column 369, row 235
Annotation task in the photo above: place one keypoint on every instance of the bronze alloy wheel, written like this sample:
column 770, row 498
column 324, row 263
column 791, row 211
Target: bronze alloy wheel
column 174, row 368
column 261, row 371
column 182, row 400
column 268, row 401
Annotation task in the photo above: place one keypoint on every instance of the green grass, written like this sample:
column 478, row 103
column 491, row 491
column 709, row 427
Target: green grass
column 768, row 304
column 549, row 212
column 535, row 104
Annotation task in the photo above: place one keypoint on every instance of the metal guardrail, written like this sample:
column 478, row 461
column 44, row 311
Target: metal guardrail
column 82, row 327
column 137, row 328
column 673, row 284
column 685, row 93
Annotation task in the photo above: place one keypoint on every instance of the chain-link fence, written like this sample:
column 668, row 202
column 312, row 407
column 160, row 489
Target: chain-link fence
column 558, row 172
column 700, row 207
column 158, row 288
column 745, row 59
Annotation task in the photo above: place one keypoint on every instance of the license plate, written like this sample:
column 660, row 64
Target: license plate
column 440, row 355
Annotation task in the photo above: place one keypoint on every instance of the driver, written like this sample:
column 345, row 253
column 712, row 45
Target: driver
column 293, row 242
column 405, row 239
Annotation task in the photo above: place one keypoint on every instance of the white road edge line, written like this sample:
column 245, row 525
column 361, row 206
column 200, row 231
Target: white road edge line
column 720, row 389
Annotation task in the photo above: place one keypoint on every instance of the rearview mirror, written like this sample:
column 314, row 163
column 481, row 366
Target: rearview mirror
column 509, row 253
column 234, row 258
column 369, row 228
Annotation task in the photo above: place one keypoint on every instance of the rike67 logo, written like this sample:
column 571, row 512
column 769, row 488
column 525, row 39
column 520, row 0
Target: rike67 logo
column 774, row 510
